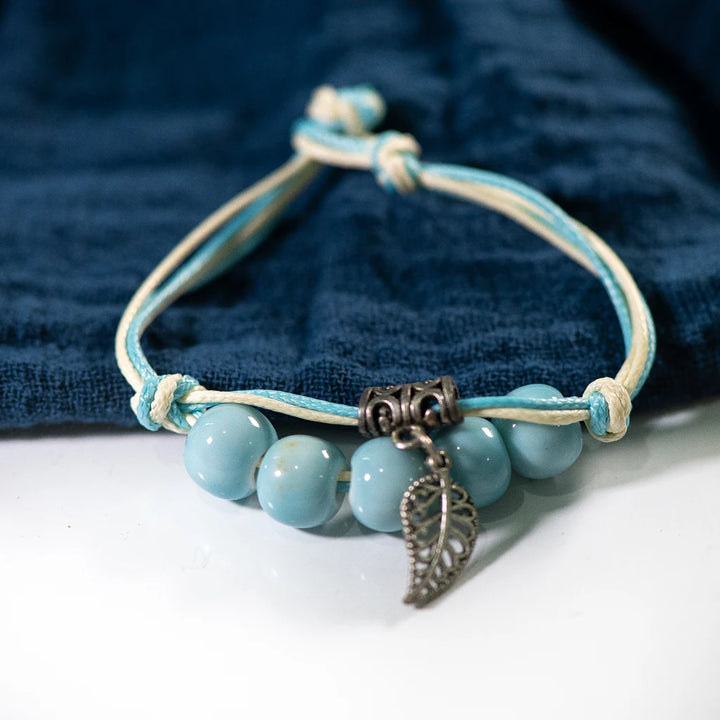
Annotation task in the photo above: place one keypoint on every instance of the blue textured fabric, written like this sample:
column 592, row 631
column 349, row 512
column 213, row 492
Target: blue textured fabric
column 689, row 32
column 123, row 125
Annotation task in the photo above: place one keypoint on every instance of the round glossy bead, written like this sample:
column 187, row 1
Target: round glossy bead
column 297, row 483
column 224, row 447
column 480, row 461
column 380, row 475
column 539, row 451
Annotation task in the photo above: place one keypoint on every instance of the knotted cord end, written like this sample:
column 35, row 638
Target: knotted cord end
column 155, row 404
column 337, row 129
column 395, row 162
column 610, row 407
column 354, row 110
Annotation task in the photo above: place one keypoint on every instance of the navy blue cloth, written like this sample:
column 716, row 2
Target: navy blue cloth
column 688, row 33
column 123, row 124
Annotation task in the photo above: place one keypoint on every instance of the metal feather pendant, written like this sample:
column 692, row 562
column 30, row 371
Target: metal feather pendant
column 440, row 524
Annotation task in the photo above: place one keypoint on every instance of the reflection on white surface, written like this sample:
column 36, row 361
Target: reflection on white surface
column 129, row 592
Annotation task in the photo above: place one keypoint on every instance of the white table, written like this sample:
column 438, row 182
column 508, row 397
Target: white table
column 127, row 592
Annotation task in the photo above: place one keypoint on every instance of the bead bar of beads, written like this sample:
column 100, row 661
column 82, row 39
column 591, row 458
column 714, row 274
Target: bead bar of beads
column 233, row 451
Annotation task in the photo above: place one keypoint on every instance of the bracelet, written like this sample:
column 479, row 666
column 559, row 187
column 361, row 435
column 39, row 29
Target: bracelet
column 432, row 458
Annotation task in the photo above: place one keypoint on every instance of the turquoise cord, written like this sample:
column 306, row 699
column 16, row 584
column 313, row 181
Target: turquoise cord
column 217, row 254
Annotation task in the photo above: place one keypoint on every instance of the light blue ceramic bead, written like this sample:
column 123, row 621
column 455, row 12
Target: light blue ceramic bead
column 224, row 447
column 480, row 462
column 380, row 475
column 297, row 483
column 539, row 451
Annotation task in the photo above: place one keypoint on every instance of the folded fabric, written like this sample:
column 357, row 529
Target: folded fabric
column 688, row 30
column 123, row 125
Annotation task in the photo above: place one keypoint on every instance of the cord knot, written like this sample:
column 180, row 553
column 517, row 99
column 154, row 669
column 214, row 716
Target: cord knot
column 155, row 404
column 610, row 407
column 353, row 110
column 395, row 162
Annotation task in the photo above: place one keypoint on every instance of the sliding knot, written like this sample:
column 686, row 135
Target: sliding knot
column 610, row 407
column 354, row 110
column 155, row 404
column 395, row 162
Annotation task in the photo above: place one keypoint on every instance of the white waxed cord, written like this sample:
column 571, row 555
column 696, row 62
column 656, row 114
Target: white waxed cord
column 393, row 158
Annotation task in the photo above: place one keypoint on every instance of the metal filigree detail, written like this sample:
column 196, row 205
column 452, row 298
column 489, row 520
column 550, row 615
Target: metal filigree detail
column 427, row 404
column 440, row 524
column 439, row 521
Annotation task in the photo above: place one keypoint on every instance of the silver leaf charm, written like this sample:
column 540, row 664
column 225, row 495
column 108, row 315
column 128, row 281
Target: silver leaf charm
column 440, row 524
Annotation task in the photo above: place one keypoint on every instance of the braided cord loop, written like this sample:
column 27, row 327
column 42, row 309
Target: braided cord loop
column 337, row 132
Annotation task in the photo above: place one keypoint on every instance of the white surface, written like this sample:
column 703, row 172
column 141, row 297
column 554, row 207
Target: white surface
column 129, row 593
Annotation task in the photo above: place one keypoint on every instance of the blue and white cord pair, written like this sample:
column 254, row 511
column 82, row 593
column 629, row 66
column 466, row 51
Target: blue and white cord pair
column 337, row 132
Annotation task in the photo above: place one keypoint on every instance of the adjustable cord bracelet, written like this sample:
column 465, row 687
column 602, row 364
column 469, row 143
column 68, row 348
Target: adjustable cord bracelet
column 433, row 457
